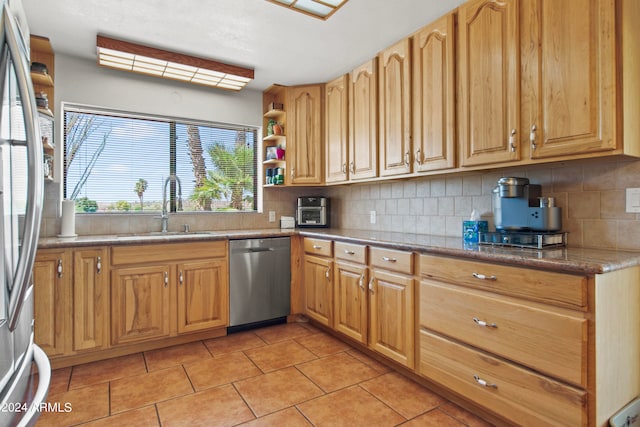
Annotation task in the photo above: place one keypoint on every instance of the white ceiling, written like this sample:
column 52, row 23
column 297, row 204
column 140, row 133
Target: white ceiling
column 281, row 45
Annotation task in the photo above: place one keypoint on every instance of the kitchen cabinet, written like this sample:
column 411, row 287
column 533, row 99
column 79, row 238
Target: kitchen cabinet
column 305, row 134
column 52, row 275
column 336, row 130
column 569, row 77
column 391, row 305
column 203, row 295
column 489, row 82
column 363, row 121
column 394, row 91
column 533, row 346
column 274, row 113
column 434, row 96
column 90, row 299
column 318, row 280
column 351, row 316
column 42, row 52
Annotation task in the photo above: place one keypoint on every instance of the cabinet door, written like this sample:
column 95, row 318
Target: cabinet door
column 140, row 300
column 395, row 109
column 392, row 316
column 434, row 96
column 336, row 108
column 203, row 295
column 363, row 122
column 489, row 81
column 569, row 77
column 350, row 300
column 90, row 299
column 318, row 289
column 52, row 296
column 304, row 137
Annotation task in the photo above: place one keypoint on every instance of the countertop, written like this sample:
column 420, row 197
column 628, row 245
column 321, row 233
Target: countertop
column 564, row 259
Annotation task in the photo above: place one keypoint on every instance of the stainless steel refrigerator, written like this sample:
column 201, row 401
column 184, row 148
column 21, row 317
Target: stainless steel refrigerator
column 22, row 394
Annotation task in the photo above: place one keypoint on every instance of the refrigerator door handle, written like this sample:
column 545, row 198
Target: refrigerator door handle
column 44, row 378
column 33, row 212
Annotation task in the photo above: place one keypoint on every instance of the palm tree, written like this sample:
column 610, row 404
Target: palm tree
column 140, row 188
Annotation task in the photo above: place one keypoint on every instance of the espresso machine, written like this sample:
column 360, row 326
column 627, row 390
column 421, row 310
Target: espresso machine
column 519, row 206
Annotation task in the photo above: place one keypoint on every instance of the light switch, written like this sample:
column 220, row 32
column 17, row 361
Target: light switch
column 633, row 200
column 372, row 217
column 272, row 216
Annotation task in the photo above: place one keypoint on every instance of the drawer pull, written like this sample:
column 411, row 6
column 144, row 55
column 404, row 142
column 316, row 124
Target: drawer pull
column 483, row 383
column 317, row 247
column 348, row 252
column 483, row 323
column 386, row 258
column 483, row 277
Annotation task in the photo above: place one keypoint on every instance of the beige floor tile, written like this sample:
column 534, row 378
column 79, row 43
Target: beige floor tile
column 464, row 416
column 141, row 417
column 107, row 370
column 176, row 355
column 337, row 371
column 435, row 418
column 381, row 368
column 278, row 333
column 220, row 406
column 235, row 342
column 323, row 344
column 403, row 395
column 289, row 417
column 77, row 406
column 220, row 370
column 276, row 390
column 279, row 355
column 142, row 390
column 349, row 407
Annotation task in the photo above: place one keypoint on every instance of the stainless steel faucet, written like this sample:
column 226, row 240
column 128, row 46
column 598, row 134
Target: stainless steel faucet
column 165, row 212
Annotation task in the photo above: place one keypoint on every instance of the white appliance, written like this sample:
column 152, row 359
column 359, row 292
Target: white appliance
column 21, row 191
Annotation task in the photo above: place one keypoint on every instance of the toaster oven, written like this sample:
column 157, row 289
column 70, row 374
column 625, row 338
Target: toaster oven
column 312, row 212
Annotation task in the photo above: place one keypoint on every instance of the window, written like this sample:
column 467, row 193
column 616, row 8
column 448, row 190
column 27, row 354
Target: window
column 117, row 162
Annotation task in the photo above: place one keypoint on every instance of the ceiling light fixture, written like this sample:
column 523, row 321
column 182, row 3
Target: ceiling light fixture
column 151, row 61
column 322, row 9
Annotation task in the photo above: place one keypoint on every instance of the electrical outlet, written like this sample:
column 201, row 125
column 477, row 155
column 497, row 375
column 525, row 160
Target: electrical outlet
column 633, row 200
column 372, row 217
column 272, row 216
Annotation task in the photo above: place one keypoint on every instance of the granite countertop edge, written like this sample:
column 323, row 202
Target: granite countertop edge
column 560, row 259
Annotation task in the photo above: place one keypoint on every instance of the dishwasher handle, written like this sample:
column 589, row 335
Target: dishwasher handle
column 253, row 250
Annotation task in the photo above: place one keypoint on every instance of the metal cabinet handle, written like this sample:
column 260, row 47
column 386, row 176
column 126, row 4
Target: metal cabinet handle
column 166, row 279
column 483, row 277
column 532, row 137
column 371, row 285
column 484, row 383
column 407, row 158
column 352, row 167
column 293, row 172
column 386, row 258
column 99, row 265
column 419, row 157
column 344, row 168
column 317, row 247
column 348, row 252
column 327, row 274
column 483, row 323
column 361, row 281
column 180, row 278
column 60, row 269
column 512, row 141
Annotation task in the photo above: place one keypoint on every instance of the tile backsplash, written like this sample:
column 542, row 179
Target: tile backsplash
column 591, row 194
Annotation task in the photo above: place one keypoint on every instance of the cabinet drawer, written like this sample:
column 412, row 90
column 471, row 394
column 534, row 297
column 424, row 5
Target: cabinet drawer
column 390, row 259
column 561, row 289
column 351, row 252
column 549, row 342
column 522, row 396
column 318, row 247
column 167, row 252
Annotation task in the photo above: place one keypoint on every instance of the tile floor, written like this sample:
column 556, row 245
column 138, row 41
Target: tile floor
column 284, row 375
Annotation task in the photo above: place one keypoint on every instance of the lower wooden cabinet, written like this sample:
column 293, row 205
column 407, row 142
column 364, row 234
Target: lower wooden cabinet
column 318, row 280
column 140, row 303
column 350, row 300
column 90, row 299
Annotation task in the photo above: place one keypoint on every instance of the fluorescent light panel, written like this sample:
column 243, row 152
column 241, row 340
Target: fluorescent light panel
column 322, row 9
column 137, row 58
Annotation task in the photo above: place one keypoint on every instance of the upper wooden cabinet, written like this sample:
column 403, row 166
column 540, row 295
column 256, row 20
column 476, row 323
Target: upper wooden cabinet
column 363, row 122
column 568, row 77
column 394, row 91
column 304, row 136
column 434, row 96
column 336, row 129
column 489, row 81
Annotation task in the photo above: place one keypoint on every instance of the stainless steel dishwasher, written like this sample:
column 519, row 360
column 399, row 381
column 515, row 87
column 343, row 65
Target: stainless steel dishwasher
column 260, row 282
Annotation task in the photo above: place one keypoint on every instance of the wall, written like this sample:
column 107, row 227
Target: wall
column 84, row 82
column 591, row 194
